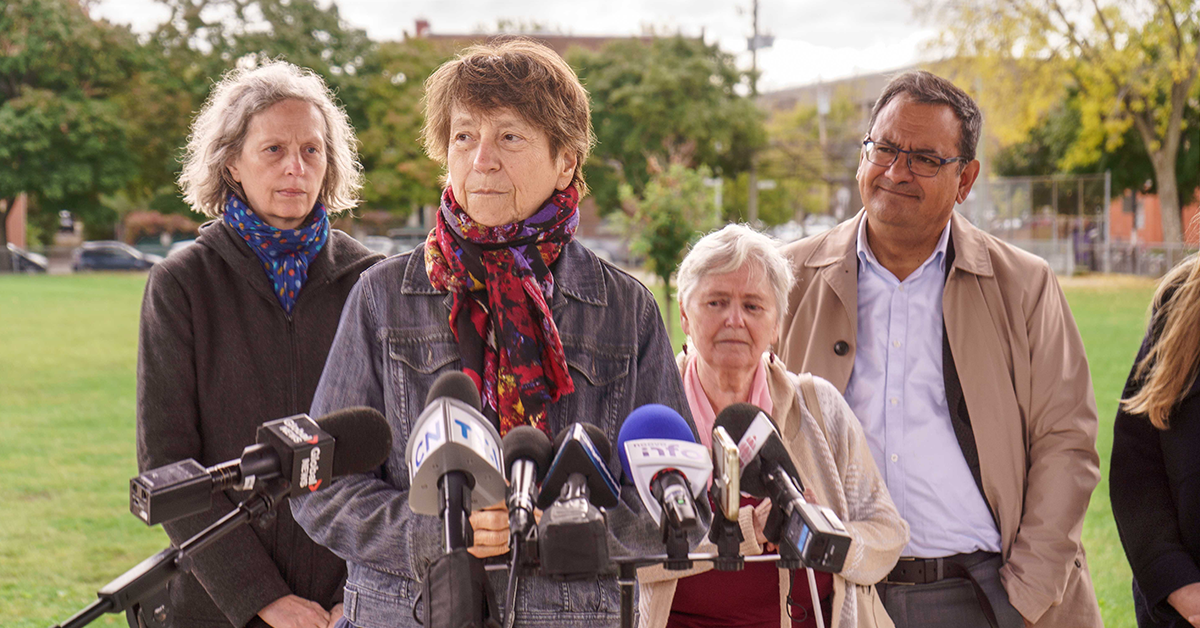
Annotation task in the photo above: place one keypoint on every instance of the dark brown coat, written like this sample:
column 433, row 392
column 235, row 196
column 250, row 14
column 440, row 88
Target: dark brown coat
column 218, row 356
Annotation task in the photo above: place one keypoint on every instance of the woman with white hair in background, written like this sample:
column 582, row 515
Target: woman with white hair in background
column 733, row 288
column 235, row 330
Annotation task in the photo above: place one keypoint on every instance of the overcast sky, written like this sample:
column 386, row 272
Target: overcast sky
column 814, row 39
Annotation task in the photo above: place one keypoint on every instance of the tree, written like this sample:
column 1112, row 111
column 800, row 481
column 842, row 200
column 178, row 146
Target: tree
column 399, row 176
column 1134, row 64
column 673, row 100
column 1047, row 145
column 807, row 156
column 201, row 41
column 61, row 134
column 673, row 210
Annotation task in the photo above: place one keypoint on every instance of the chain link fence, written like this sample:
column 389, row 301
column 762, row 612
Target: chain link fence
column 1065, row 219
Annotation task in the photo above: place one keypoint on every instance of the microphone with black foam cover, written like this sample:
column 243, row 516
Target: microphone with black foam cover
column 807, row 534
column 308, row 453
column 455, row 462
column 527, row 451
column 670, row 469
column 572, row 533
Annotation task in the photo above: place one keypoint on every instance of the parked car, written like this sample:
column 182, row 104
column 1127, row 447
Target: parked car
column 111, row 255
column 26, row 261
column 406, row 239
column 178, row 246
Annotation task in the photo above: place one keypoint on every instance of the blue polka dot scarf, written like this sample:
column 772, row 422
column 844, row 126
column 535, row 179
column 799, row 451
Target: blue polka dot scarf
column 285, row 253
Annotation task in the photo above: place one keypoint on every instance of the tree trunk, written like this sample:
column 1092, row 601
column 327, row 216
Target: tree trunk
column 6, row 265
column 1168, row 198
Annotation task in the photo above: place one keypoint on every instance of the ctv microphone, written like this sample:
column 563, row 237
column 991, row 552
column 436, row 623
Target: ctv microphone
column 527, row 450
column 660, row 455
column 807, row 534
column 726, row 492
column 454, row 458
column 309, row 454
column 572, row 533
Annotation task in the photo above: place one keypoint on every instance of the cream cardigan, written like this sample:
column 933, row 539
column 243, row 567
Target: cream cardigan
column 837, row 465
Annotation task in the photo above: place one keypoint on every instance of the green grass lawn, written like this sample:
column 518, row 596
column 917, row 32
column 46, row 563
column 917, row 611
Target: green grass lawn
column 67, row 375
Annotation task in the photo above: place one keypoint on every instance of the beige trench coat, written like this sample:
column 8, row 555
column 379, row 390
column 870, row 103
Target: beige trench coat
column 1025, row 377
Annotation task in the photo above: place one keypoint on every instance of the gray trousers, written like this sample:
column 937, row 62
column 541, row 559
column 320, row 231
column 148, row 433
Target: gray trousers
column 950, row 603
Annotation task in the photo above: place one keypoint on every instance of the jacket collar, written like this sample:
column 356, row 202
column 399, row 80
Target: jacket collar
column 837, row 244
column 339, row 256
column 840, row 244
column 577, row 274
column 970, row 248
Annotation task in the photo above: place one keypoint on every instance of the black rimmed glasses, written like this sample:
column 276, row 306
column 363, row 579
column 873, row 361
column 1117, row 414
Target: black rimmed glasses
column 920, row 164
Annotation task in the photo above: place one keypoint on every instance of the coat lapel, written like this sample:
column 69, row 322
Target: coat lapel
column 836, row 261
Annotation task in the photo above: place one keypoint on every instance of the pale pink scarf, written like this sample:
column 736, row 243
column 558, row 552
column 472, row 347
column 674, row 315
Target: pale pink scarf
column 702, row 411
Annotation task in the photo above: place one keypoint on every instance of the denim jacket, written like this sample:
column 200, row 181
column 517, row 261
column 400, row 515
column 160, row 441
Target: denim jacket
column 394, row 340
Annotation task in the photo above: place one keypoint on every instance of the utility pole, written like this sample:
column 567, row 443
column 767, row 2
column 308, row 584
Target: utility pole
column 752, row 179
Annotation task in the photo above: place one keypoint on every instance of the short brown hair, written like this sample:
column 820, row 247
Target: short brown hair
column 931, row 89
column 518, row 74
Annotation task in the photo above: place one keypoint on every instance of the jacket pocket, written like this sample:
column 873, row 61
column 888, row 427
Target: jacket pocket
column 414, row 362
column 569, row 603
column 385, row 606
column 602, row 387
column 871, row 612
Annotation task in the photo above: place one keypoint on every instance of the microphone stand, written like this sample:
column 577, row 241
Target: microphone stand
column 152, row 574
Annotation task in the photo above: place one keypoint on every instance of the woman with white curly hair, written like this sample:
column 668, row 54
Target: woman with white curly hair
column 235, row 330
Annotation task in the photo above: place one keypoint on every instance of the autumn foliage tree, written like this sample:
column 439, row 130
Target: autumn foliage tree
column 1133, row 64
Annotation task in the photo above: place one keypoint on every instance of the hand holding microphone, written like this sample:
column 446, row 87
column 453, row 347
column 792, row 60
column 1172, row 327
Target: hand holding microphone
column 527, row 451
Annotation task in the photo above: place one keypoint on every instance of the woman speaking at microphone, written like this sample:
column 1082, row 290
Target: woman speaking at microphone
column 733, row 288
column 235, row 329
column 501, row 290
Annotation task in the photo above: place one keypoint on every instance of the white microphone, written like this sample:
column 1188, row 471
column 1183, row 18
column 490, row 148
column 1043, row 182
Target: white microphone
column 455, row 462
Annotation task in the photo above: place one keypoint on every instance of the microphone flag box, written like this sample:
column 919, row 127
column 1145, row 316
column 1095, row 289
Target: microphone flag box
column 452, row 436
column 305, row 453
column 650, row 456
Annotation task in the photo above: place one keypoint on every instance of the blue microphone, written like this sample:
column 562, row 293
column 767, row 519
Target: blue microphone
column 660, row 455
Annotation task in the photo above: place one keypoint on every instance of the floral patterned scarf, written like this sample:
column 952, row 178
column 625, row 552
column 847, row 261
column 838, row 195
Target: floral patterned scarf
column 501, row 282
column 285, row 253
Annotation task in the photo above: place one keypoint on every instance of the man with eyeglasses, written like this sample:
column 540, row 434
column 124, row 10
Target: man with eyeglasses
column 960, row 357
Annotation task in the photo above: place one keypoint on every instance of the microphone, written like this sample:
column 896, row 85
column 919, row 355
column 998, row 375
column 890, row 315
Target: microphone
column 726, row 493
column 308, row 453
column 527, row 450
column 454, row 458
column 660, row 455
column 571, row 535
column 807, row 534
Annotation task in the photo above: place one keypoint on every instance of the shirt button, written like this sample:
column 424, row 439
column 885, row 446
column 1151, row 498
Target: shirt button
column 901, row 288
column 894, row 401
column 841, row 348
column 895, row 457
column 896, row 343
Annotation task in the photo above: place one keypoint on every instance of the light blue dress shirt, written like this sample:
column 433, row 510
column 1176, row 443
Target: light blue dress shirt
column 899, row 394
